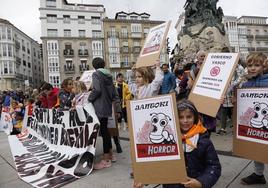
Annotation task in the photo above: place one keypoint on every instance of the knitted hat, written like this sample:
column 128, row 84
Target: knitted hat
column 186, row 104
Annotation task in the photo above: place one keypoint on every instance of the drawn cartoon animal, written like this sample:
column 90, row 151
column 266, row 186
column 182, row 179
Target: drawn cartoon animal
column 158, row 134
column 259, row 120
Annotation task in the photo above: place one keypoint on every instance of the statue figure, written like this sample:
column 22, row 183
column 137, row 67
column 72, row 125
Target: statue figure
column 190, row 7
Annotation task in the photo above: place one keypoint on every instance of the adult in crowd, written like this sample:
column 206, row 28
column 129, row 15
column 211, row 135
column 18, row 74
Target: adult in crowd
column 169, row 83
column 49, row 96
column 102, row 95
column 124, row 95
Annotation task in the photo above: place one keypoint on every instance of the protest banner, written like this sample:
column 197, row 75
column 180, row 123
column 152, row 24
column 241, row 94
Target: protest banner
column 212, row 81
column 251, row 130
column 155, row 140
column 153, row 45
column 6, row 122
column 87, row 78
column 57, row 148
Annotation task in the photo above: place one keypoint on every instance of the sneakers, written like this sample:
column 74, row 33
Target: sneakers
column 113, row 158
column 253, row 179
column 118, row 148
column 221, row 132
column 102, row 164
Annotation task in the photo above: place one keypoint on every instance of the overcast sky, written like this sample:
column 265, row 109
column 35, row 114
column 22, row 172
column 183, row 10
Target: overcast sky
column 24, row 14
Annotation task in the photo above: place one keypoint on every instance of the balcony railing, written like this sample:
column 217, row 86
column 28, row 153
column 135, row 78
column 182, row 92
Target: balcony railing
column 263, row 49
column 82, row 52
column 125, row 64
column 112, row 34
column 83, row 68
column 69, row 69
column 124, row 49
column 136, row 35
column 68, row 52
column 124, row 35
column 136, row 49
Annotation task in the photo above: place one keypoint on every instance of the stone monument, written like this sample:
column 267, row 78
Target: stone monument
column 203, row 29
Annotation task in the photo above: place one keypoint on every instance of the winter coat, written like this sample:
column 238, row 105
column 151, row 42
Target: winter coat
column 202, row 163
column 259, row 81
column 103, row 93
column 126, row 95
column 168, row 84
column 148, row 90
column 52, row 97
column 65, row 99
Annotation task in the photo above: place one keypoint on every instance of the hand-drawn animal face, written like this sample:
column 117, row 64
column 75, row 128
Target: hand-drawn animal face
column 159, row 121
column 258, row 120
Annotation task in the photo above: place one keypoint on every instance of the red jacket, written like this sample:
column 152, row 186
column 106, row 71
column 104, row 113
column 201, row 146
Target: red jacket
column 52, row 97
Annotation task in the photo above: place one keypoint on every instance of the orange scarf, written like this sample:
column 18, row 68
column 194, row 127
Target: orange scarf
column 196, row 129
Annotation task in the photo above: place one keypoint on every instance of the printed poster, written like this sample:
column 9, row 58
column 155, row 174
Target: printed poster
column 154, row 129
column 252, row 115
column 153, row 45
column 215, row 74
column 154, row 39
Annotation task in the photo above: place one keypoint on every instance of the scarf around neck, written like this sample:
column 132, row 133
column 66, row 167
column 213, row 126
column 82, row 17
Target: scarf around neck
column 195, row 129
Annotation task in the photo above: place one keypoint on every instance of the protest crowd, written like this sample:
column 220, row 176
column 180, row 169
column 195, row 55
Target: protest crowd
column 108, row 95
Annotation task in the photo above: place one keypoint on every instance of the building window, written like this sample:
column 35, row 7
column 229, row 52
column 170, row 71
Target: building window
column 53, row 64
column 122, row 17
column 95, row 20
column 51, row 18
column 125, row 43
column 4, row 47
column 67, row 33
column 146, row 31
column 9, row 33
column 133, row 17
column 54, row 80
column 51, row 3
column 66, row 19
column 82, row 33
column 97, row 49
column 52, row 48
column 136, row 43
column 10, row 51
column 4, row 34
column 81, row 19
column 124, row 32
column 52, row 32
column 96, row 34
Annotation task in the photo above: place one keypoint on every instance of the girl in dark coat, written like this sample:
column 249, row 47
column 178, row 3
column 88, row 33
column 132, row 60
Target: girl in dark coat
column 202, row 162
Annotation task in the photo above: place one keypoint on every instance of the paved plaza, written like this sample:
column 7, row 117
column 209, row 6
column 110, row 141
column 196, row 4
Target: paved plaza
column 233, row 168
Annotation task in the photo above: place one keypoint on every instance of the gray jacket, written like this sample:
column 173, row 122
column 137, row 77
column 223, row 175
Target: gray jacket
column 103, row 94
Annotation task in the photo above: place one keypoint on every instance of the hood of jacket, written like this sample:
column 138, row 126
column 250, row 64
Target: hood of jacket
column 105, row 76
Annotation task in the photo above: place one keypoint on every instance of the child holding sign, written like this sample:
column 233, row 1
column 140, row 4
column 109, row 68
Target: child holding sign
column 256, row 66
column 202, row 162
column 146, row 83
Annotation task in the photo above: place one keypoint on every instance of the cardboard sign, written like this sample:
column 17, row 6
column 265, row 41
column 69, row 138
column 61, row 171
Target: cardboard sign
column 251, row 130
column 212, row 81
column 156, row 146
column 57, row 148
column 153, row 45
column 87, row 78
